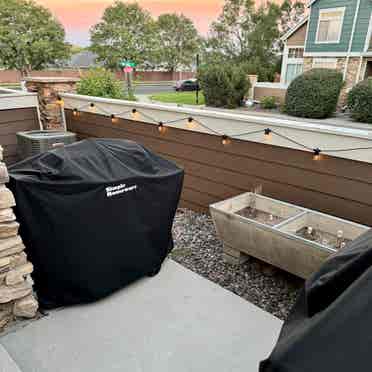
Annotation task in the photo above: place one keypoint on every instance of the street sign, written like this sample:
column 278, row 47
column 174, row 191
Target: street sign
column 127, row 63
column 128, row 69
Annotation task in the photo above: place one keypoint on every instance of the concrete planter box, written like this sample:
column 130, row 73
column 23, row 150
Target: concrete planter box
column 277, row 244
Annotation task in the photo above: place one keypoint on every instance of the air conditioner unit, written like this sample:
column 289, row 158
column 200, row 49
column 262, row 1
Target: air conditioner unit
column 36, row 141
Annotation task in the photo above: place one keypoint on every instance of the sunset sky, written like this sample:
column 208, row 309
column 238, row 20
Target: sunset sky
column 79, row 15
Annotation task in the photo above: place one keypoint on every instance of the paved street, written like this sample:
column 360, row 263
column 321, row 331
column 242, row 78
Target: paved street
column 153, row 88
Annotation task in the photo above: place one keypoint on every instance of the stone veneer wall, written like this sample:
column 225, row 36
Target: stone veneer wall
column 48, row 89
column 16, row 295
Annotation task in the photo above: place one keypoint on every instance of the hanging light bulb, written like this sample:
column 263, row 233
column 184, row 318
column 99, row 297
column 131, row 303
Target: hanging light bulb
column 75, row 112
column 268, row 133
column 191, row 123
column 60, row 100
column 135, row 114
column 316, row 155
column 225, row 140
column 161, row 127
column 114, row 119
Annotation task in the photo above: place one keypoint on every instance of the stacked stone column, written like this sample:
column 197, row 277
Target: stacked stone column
column 48, row 90
column 16, row 295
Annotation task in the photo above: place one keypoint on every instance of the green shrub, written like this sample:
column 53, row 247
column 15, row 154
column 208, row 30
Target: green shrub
column 314, row 94
column 223, row 85
column 101, row 83
column 268, row 103
column 359, row 101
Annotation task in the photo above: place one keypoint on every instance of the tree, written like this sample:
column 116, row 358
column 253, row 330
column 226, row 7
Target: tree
column 246, row 34
column 125, row 32
column 178, row 41
column 292, row 11
column 30, row 38
column 242, row 31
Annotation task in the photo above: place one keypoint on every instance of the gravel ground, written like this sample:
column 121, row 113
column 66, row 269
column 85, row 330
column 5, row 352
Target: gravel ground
column 198, row 248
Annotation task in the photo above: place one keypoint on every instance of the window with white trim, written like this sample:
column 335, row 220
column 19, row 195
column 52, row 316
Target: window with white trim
column 330, row 25
column 295, row 63
column 325, row 63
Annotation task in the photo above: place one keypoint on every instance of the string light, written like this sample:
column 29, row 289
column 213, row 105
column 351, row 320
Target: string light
column 225, row 140
column 268, row 132
column 161, row 127
column 114, row 119
column 60, row 101
column 191, row 123
column 135, row 114
column 316, row 155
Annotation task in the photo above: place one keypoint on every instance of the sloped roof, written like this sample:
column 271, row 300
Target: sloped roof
column 294, row 29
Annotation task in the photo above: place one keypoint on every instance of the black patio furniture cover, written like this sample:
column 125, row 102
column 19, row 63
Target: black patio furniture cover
column 95, row 216
column 330, row 327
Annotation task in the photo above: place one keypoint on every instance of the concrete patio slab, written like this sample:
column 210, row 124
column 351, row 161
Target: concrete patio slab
column 7, row 364
column 176, row 322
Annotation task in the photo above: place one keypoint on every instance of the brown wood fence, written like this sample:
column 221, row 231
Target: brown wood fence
column 214, row 172
column 11, row 122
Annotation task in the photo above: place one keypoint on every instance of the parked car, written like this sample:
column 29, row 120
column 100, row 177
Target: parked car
column 186, row 85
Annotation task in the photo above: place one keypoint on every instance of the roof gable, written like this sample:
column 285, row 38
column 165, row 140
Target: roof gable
column 290, row 32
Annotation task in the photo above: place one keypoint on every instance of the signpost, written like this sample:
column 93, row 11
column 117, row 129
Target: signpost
column 128, row 66
column 197, row 82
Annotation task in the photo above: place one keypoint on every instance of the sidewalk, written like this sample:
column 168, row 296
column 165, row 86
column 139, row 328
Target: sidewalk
column 338, row 120
column 175, row 322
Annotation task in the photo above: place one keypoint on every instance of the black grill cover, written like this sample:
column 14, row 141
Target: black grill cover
column 95, row 216
column 330, row 327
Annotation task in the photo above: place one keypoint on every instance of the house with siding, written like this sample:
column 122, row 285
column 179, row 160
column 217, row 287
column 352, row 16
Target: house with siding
column 335, row 34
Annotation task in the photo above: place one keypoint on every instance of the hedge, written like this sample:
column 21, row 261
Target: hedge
column 223, row 85
column 99, row 82
column 314, row 94
column 359, row 101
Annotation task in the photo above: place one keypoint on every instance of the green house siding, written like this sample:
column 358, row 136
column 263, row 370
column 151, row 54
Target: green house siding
column 362, row 25
column 360, row 30
column 343, row 45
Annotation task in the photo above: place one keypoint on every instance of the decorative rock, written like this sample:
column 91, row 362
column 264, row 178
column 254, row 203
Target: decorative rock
column 4, row 176
column 7, row 215
column 8, row 229
column 16, row 299
column 11, row 251
column 6, row 314
column 4, row 262
column 25, row 307
column 18, row 259
column 6, row 198
column 10, row 243
column 10, row 293
column 18, row 275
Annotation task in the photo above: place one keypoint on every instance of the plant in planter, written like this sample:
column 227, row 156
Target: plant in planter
column 284, row 235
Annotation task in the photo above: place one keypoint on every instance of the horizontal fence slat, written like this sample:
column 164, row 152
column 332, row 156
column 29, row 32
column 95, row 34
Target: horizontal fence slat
column 362, row 192
column 259, row 151
column 214, row 172
column 19, row 114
